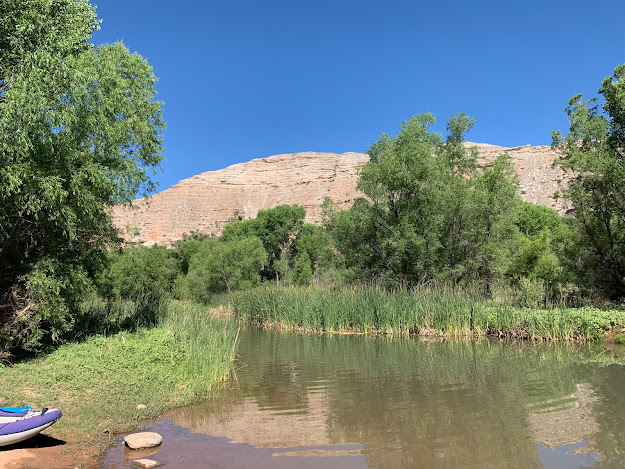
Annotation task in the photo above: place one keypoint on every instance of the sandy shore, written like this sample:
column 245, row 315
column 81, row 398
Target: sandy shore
column 46, row 452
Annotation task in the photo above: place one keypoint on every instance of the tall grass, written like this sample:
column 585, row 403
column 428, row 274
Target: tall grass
column 207, row 342
column 439, row 310
column 99, row 381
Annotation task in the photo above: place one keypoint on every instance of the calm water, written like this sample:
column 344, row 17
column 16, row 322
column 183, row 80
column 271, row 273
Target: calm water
column 330, row 401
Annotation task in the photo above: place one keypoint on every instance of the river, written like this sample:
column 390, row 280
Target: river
column 350, row 401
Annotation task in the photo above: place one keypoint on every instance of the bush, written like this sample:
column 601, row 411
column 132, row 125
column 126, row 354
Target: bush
column 222, row 266
column 100, row 316
column 134, row 271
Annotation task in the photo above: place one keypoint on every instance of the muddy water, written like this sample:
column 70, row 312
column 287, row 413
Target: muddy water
column 336, row 401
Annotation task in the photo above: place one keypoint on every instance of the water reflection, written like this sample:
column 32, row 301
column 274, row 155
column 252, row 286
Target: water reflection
column 378, row 402
column 567, row 420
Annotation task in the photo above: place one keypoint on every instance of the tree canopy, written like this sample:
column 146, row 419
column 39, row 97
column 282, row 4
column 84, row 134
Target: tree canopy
column 136, row 271
column 220, row 266
column 593, row 152
column 429, row 213
column 80, row 131
column 277, row 228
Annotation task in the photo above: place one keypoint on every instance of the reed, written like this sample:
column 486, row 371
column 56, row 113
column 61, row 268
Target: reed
column 429, row 310
column 207, row 342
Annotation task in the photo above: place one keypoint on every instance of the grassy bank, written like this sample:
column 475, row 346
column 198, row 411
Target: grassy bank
column 99, row 382
column 427, row 311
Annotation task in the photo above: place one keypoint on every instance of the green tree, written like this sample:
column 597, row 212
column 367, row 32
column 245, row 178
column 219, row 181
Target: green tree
column 80, row 132
column 534, row 259
column 355, row 238
column 429, row 213
column 532, row 219
column 546, row 239
column 314, row 252
column 224, row 265
column 185, row 248
column 135, row 271
column 489, row 225
column 277, row 228
column 593, row 153
column 304, row 273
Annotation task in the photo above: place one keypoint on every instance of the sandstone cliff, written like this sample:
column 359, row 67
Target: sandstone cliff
column 207, row 201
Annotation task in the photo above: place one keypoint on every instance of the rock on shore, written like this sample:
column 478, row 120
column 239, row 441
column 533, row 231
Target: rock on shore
column 143, row 440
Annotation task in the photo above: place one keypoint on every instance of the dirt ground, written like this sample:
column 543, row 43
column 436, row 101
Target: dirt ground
column 44, row 452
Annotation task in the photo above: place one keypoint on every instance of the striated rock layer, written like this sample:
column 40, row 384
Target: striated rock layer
column 206, row 202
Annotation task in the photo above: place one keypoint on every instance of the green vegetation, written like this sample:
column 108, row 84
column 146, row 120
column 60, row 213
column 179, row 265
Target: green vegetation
column 105, row 317
column 594, row 152
column 276, row 228
column 429, row 213
column 132, row 273
column 436, row 246
column 222, row 266
column 425, row 311
column 81, row 132
column 99, row 382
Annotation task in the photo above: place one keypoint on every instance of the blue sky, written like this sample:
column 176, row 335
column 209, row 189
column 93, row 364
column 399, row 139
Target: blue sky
column 249, row 79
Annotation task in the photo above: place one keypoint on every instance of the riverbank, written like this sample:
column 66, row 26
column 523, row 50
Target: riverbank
column 98, row 383
column 442, row 312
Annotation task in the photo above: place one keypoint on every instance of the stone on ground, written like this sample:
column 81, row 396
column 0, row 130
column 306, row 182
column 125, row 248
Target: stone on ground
column 145, row 463
column 143, row 440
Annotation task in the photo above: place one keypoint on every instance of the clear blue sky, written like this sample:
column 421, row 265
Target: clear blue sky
column 249, row 79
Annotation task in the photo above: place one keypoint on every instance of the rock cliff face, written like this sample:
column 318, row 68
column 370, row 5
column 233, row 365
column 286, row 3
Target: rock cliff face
column 206, row 202
column 539, row 181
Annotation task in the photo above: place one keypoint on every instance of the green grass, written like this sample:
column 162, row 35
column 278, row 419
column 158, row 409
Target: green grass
column 208, row 343
column 426, row 311
column 99, row 382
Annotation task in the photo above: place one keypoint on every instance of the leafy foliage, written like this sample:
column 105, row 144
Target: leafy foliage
column 80, row 132
column 185, row 248
column 593, row 154
column 135, row 271
column 429, row 213
column 219, row 266
column 277, row 228
column 539, row 265
column 314, row 254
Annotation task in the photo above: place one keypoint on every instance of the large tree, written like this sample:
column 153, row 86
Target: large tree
column 429, row 213
column 80, row 131
column 277, row 228
column 137, row 272
column 593, row 151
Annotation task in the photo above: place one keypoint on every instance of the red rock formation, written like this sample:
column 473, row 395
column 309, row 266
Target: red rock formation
column 206, row 202
column 539, row 181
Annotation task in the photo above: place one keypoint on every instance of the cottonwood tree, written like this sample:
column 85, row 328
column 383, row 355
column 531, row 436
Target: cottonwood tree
column 429, row 213
column 137, row 272
column 80, row 131
column 593, row 152
column 277, row 228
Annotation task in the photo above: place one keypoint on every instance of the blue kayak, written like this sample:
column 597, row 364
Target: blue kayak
column 14, row 410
